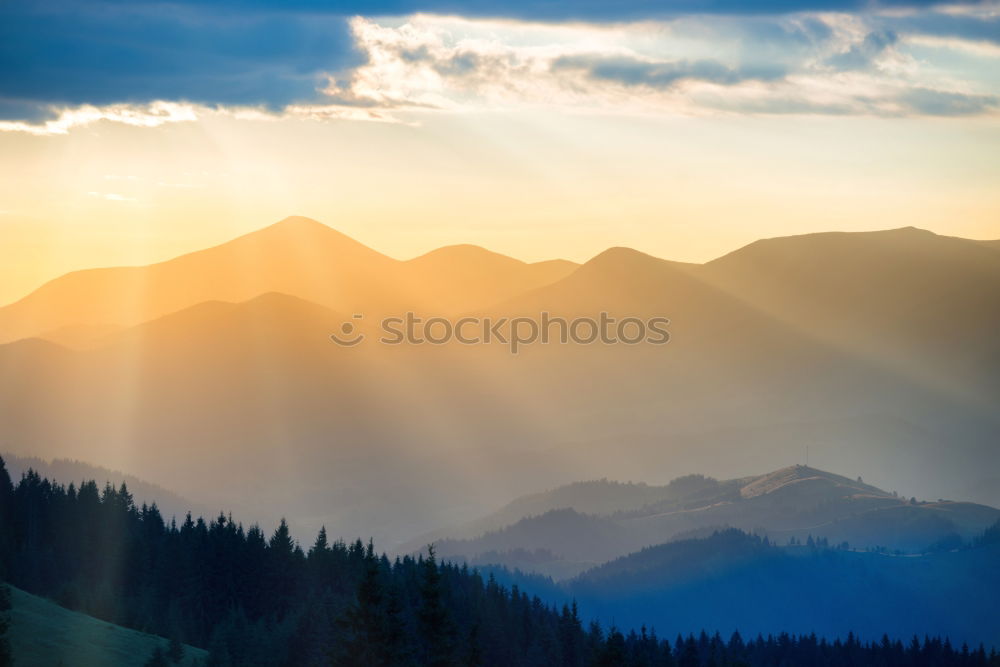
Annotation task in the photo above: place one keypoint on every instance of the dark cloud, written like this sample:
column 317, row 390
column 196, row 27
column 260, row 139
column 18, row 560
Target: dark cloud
column 943, row 103
column 66, row 54
column 861, row 56
column 554, row 10
column 969, row 27
column 634, row 72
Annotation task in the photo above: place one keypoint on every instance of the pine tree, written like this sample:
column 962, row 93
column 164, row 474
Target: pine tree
column 432, row 616
column 6, row 514
column 689, row 653
column 395, row 636
column 473, row 653
column 321, row 546
column 613, row 653
column 365, row 621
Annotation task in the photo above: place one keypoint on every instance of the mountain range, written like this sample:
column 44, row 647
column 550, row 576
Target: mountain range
column 562, row 532
column 213, row 373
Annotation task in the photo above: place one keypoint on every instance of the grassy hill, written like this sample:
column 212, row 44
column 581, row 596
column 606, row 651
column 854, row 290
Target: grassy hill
column 43, row 634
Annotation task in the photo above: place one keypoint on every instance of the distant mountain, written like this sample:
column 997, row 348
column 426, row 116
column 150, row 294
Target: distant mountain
column 297, row 256
column 923, row 304
column 598, row 498
column 734, row 581
column 791, row 503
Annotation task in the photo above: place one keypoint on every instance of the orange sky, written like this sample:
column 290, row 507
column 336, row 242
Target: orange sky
column 534, row 184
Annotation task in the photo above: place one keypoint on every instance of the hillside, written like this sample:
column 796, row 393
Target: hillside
column 43, row 634
column 791, row 503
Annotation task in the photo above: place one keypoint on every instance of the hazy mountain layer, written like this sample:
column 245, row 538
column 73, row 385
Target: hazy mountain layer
column 224, row 357
column 581, row 525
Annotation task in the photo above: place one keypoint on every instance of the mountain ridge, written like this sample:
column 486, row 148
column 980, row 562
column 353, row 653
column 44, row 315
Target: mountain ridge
column 792, row 502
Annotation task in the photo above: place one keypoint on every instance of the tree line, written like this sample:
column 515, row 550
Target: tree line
column 256, row 599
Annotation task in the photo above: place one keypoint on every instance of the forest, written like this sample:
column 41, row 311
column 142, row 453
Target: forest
column 253, row 598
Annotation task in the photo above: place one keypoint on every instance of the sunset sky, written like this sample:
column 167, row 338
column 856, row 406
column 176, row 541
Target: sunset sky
column 130, row 133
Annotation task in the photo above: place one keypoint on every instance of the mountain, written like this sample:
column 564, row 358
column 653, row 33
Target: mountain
column 792, row 503
column 43, row 634
column 596, row 498
column 297, row 256
column 923, row 304
column 734, row 581
column 229, row 362
column 465, row 277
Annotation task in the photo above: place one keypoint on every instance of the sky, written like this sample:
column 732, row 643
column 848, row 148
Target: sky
column 131, row 132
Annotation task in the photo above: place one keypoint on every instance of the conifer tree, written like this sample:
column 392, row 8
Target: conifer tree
column 432, row 616
column 365, row 621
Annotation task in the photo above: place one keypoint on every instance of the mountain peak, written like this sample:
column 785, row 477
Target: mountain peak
column 298, row 221
column 621, row 254
column 464, row 252
column 303, row 234
column 300, row 225
column 798, row 474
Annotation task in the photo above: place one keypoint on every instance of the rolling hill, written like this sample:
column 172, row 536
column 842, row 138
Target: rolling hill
column 583, row 525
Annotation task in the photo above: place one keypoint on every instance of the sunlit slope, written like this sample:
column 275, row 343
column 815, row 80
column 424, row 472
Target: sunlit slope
column 297, row 256
column 43, row 634
column 922, row 304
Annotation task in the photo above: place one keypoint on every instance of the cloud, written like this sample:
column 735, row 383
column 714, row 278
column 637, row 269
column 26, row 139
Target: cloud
column 61, row 121
column 944, row 103
column 64, row 53
column 863, row 54
column 972, row 26
column 631, row 71
column 843, row 65
column 532, row 10
column 70, row 64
